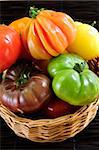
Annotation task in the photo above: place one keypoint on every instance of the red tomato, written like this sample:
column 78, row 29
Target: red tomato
column 10, row 47
column 57, row 108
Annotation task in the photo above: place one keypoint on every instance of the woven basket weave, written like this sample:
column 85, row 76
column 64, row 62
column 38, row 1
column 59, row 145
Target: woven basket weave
column 50, row 130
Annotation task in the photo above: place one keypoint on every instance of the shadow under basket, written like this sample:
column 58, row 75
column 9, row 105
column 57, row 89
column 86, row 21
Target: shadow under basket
column 50, row 130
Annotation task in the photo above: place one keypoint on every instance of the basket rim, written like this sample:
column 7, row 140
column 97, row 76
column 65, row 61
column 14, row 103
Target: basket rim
column 49, row 121
column 50, row 130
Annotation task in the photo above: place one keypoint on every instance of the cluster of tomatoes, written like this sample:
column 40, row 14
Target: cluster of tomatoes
column 45, row 35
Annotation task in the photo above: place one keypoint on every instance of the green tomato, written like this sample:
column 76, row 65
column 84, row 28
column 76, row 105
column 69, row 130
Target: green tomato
column 73, row 82
column 64, row 61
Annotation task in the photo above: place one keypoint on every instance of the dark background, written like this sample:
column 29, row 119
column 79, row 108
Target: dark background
column 86, row 11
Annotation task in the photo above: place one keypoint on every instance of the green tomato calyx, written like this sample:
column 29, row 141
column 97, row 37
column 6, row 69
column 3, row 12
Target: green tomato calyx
column 33, row 12
column 79, row 67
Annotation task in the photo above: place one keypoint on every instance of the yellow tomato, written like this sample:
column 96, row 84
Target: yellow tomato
column 86, row 43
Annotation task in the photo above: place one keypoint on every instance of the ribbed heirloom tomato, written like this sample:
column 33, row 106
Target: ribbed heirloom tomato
column 73, row 82
column 47, row 33
column 10, row 47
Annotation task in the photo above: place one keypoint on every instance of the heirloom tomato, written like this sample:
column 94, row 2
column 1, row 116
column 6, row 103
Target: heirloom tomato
column 19, row 25
column 73, row 82
column 10, row 47
column 86, row 43
column 47, row 33
column 24, row 89
column 56, row 108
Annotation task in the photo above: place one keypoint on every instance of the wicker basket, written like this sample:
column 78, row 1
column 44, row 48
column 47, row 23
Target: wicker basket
column 94, row 65
column 50, row 130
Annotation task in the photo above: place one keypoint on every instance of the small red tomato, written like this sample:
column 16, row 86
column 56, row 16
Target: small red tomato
column 57, row 108
column 10, row 47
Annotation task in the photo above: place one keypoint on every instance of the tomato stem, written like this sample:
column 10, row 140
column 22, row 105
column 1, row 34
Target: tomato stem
column 79, row 67
column 93, row 24
column 22, row 80
column 33, row 12
column 24, row 76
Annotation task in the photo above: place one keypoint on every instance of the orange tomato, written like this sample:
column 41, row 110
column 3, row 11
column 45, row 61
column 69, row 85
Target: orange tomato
column 19, row 25
column 35, row 47
column 47, row 34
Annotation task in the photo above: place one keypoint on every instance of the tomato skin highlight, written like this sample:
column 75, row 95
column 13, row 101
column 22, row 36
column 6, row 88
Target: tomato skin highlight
column 10, row 47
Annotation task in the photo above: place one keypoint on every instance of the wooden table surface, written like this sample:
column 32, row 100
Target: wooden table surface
column 86, row 11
